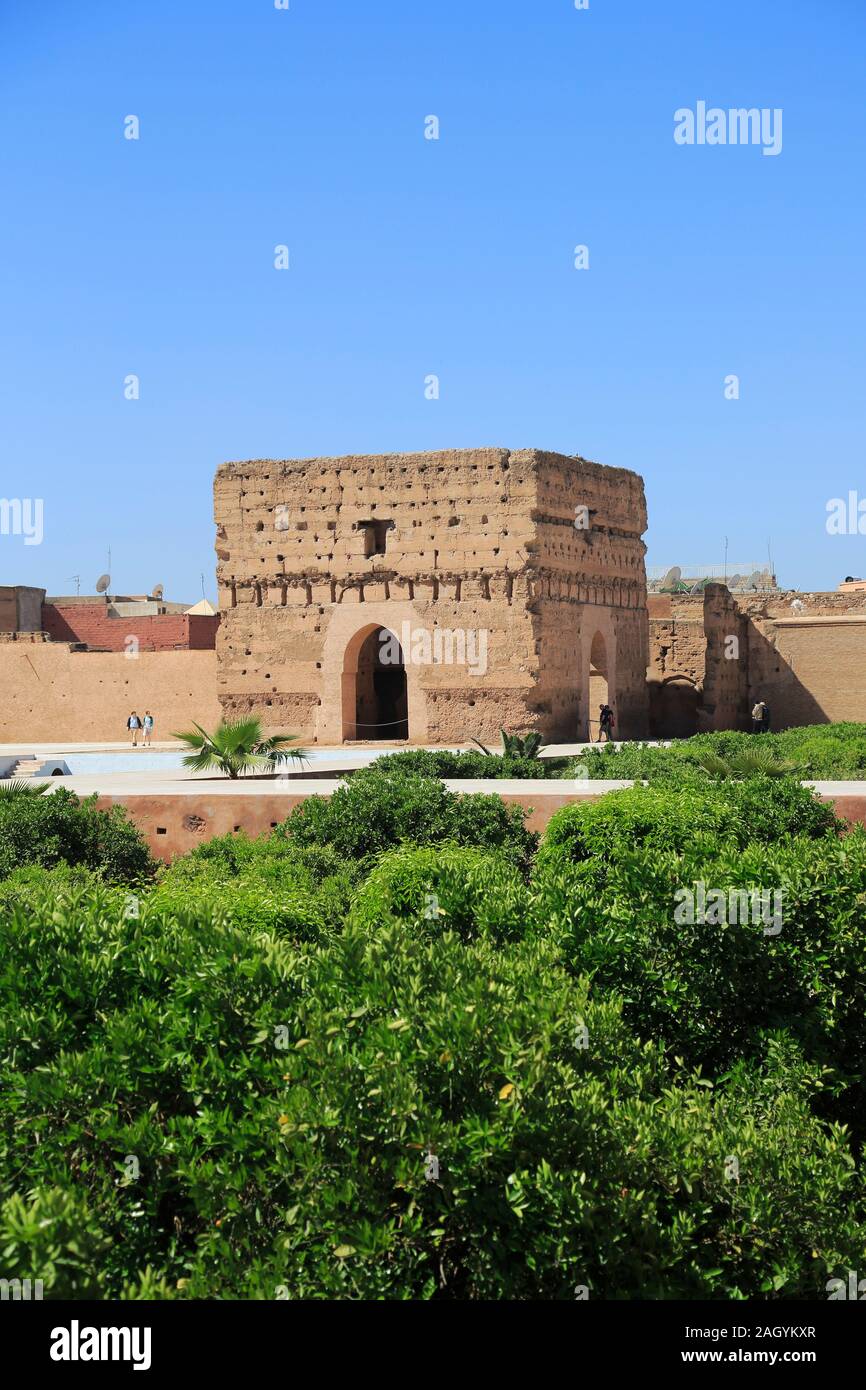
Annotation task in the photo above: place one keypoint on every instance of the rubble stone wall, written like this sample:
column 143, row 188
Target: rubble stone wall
column 480, row 544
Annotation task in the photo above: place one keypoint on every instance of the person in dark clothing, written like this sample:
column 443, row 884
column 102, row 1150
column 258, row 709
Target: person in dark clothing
column 605, row 723
column 765, row 722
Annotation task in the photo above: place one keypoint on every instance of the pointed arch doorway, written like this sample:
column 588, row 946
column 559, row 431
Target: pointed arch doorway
column 598, row 682
column 375, row 697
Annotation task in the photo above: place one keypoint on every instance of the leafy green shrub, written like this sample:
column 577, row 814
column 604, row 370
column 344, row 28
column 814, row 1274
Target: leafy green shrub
column 53, row 1237
column 229, row 855
column 60, row 828
column 301, row 890
column 770, row 809
column 663, row 818
column 623, row 821
column 377, row 810
column 31, row 883
column 443, row 763
column 246, row 902
column 449, row 888
column 611, row 762
column 282, row 1107
column 818, row 751
column 710, row 975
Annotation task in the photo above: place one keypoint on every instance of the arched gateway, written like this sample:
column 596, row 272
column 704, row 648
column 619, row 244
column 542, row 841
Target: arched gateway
column 375, row 700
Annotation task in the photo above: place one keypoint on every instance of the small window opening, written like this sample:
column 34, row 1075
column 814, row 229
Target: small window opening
column 375, row 533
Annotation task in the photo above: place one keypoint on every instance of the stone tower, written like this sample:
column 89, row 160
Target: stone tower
column 432, row 597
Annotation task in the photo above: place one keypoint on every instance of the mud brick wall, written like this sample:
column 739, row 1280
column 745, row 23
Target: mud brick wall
column 52, row 693
column 808, row 661
column 478, row 542
column 725, row 703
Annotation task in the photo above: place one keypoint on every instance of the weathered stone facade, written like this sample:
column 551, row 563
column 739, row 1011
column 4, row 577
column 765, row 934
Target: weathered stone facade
column 713, row 655
column 507, row 613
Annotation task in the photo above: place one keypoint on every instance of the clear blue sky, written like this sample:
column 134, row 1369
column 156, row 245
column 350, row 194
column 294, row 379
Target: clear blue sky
column 411, row 257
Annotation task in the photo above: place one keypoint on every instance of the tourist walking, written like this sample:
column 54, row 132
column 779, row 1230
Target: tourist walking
column 758, row 715
column 133, row 723
column 605, row 723
column 148, row 727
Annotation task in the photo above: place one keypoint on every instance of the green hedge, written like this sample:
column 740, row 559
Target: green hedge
column 661, row 818
column 231, row 1079
column 443, row 763
column 58, row 827
column 448, row 888
column 202, row 1110
column 270, row 883
column 820, row 751
column 609, row 885
column 377, row 810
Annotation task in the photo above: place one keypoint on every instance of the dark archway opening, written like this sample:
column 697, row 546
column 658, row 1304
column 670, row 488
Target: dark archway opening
column 598, row 686
column 673, row 708
column 381, row 699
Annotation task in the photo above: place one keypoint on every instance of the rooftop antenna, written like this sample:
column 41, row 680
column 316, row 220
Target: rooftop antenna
column 77, row 578
column 726, row 561
column 202, row 583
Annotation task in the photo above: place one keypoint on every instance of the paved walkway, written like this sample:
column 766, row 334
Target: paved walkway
column 179, row 781
column 156, row 784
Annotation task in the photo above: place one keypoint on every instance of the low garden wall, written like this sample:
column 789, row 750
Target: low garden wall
column 175, row 822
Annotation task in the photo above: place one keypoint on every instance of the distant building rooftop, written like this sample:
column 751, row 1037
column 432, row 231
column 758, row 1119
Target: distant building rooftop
column 119, row 605
column 746, row 578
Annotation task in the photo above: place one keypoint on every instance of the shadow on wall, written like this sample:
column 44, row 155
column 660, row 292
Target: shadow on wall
column 673, row 707
column 680, row 707
column 771, row 678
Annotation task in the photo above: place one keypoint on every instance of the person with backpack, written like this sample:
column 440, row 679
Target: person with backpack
column 758, row 710
column 605, row 722
column 133, row 723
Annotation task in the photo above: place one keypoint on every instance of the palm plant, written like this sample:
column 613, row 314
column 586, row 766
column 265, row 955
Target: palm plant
column 751, row 762
column 516, row 745
column 236, row 747
column 22, row 786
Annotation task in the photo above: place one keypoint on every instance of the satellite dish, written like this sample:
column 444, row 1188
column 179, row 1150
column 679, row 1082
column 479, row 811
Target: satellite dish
column 158, row 591
column 102, row 583
column 735, row 581
column 671, row 578
column 754, row 579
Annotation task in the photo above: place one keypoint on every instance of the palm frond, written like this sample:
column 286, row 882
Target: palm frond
column 714, row 765
column 22, row 786
column 236, row 747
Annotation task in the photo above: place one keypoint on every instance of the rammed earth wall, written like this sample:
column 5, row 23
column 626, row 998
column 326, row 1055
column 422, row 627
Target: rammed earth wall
column 321, row 561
